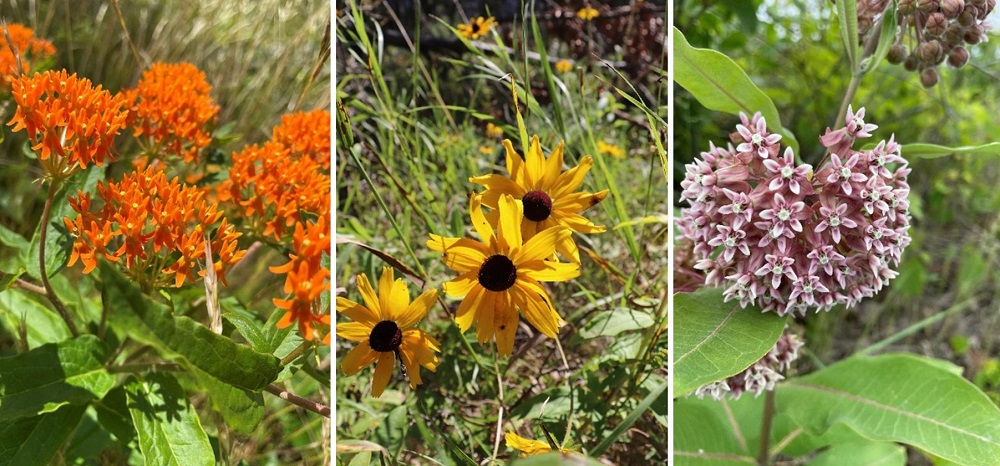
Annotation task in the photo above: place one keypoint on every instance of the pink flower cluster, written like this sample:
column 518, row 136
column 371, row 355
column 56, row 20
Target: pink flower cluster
column 780, row 236
column 761, row 376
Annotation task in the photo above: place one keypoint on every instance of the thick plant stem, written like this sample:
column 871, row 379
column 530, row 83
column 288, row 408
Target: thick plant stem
column 51, row 294
column 763, row 458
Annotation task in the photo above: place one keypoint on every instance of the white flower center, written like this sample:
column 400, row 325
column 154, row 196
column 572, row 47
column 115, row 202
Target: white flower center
column 737, row 207
column 880, row 160
column 730, row 242
column 845, row 173
column 834, row 220
column 784, row 214
column 787, row 171
column 777, row 270
column 807, row 289
column 824, row 259
column 874, row 195
column 756, row 138
column 877, row 234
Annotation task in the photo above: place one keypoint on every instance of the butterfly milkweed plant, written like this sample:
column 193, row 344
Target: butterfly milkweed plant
column 835, row 236
column 501, row 234
column 165, row 244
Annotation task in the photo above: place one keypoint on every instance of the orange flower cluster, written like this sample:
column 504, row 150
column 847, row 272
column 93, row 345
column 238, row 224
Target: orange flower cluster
column 29, row 48
column 67, row 116
column 306, row 133
column 283, row 189
column 146, row 219
column 307, row 279
column 172, row 107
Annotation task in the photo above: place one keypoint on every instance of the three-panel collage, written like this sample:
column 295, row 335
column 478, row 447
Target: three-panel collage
column 492, row 232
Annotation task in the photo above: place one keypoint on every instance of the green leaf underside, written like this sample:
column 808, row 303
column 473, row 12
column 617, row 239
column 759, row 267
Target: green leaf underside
column 168, row 428
column 847, row 15
column 933, row 151
column 43, row 325
column 242, row 409
column 714, row 340
column 151, row 323
column 702, row 437
column 718, row 83
column 901, row 398
column 52, row 375
column 36, row 440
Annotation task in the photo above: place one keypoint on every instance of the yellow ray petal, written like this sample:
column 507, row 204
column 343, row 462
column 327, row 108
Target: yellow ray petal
column 514, row 163
column 369, row 296
column 461, row 286
column 468, row 311
column 574, row 203
column 505, row 324
column 359, row 357
column 497, row 185
column 509, row 233
column 536, row 311
column 534, row 165
column 416, row 310
column 548, row 271
column 383, row 372
column 385, row 287
column 552, row 167
column 526, row 446
column 356, row 312
column 479, row 222
column 460, row 254
column 406, row 352
column 580, row 224
column 397, row 300
column 354, row 331
column 571, row 179
column 542, row 245
column 486, row 311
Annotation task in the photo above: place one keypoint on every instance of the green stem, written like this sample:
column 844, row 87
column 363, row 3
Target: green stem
column 915, row 328
column 763, row 458
column 299, row 351
column 50, row 293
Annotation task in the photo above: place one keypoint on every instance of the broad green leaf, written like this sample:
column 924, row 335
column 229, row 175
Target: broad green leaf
column 58, row 242
column 112, row 413
column 169, row 431
column 35, row 440
column 89, row 441
column 703, row 437
column 52, row 375
column 901, row 398
column 714, row 340
column 720, row 84
column 393, row 429
column 242, row 409
column 847, row 15
column 12, row 258
column 245, row 322
column 932, row 151
column 614, row 322
column 862, row 454
column 151, row 323
column 556, row 459
column 43, row 324
column 886, row 38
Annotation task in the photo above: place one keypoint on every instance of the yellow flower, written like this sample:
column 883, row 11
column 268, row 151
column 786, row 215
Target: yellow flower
column 528, row 446
column 547, row 193
column 383, row 328
column 610, row 149
column 476, row 28
column 587, row 13
column 493, row 131
column 500, row 275
column 563, row 66
column 486, row 150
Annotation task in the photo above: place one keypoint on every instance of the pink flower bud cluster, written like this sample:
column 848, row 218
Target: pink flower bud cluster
column 777, row 235
column 761, row 375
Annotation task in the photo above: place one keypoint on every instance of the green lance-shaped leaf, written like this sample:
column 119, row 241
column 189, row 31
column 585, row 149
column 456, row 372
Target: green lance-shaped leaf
column 148, row 322
column 714, row 339
column 933, row 151
column 32, row 441
column 720, row 84
column 167, row 426
column 50, row 376
column 886, row 38
column 900, row 398
column 704, row 437
column 861, row 454
column 847, row 15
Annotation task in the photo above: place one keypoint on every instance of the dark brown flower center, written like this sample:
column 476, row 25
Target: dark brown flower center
column 386, row 336
column 497, row 273
column 537, row 206
column 475, row 27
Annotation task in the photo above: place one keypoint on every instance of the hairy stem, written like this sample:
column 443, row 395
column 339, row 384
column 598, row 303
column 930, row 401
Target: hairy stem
column 50, row 293
column 318, row 408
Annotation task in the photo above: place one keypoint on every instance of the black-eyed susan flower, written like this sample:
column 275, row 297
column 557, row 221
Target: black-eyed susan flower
column 563, row 66
column 587, row 13
column 493, row 131
column 384, row 329
column 476, row 28
column 610, row 149
column 528, row 446
column 548, row 194
column 500, row 275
